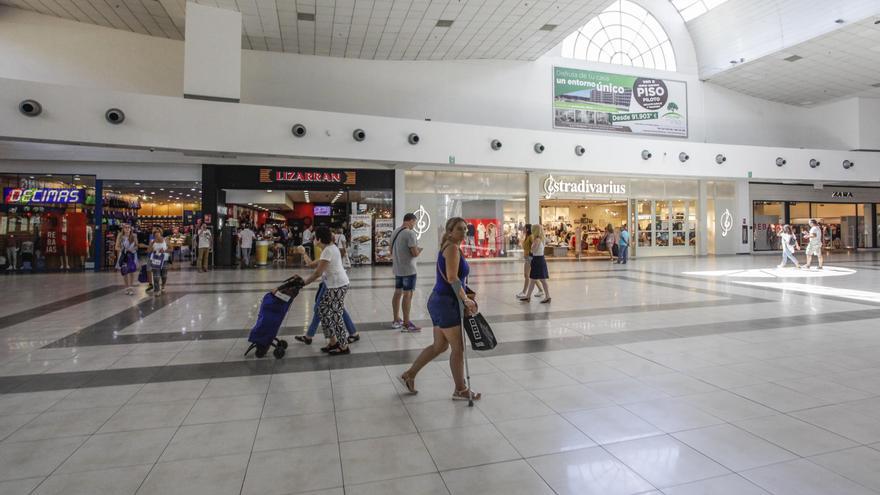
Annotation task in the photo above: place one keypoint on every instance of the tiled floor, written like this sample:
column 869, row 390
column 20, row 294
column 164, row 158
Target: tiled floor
column 667, row 376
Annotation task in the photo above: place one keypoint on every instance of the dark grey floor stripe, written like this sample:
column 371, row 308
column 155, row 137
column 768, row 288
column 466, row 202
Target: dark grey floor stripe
column 99, row 339
column 43, row 310
column 126, row 376
column 106, row 328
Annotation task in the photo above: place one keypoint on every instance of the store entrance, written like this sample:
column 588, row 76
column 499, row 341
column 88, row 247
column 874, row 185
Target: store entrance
column 575, row 228
column 285, row 219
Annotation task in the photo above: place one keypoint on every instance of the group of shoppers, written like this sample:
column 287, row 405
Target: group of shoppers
column 791, row 245
column 616, row 242
column 158, row 255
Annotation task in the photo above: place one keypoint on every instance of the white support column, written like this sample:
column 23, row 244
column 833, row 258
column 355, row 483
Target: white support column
column 212, row 54
column 743, row 216
column 702, row 219
column 533, row 210
column 399, row 196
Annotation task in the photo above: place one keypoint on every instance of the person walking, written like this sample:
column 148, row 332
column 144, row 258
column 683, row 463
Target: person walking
column 444, row 306
column 527, row 258
column 789, row 247
column 158, row 251
column 308, row 336
column 404, row 251
column 246, row 240
column 332, row 305
column 814, row 244
column 538, row 270
column 623, row 245
column 126, row 257
column 610, row 241
column 205, row 241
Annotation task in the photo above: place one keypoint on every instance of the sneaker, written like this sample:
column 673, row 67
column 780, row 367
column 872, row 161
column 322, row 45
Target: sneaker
column 150, row 288
column 397, row 324
column 521, row 295
column 539, row 294
column 780, row 266
column 410, row 328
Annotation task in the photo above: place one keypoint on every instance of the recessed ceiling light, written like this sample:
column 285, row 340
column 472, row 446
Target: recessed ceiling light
column 193, row 189
column 32, row 177
column 137, row 183
column 305, row 16
column 161, row 188
column 793, row 58
column 268, row 190
column 444, row 23
column 548, row 27
column 142, row 190
column 154, row 192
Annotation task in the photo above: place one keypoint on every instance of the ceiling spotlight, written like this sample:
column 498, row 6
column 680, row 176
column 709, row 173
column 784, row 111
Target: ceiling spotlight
column 413, row 138
column 298, row 130
column 579, row 150
column 848, row 164
column 539, row 148
column 719, row 158
column 683, row 157
column 646, row 155
column 359, row 135
column 495, row 144
column 268, row 190
column 115, row 116
column 814, row 163
column 780, row 161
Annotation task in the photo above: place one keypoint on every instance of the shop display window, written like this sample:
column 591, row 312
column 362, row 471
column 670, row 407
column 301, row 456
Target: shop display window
column 768, row 218
column 644, row 218
column 46, row 222
column 661, row 223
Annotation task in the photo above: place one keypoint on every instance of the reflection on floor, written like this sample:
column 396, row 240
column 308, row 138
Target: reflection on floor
column 672, row 376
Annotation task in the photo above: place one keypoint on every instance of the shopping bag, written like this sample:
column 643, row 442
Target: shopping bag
column 479, row 333
column 142, row 276
column 157, row 261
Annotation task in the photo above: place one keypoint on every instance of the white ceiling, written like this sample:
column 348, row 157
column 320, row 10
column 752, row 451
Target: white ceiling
column 841, row 64
column 370, row 29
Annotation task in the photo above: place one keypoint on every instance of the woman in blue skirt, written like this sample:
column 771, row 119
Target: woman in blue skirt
column 450, row 291
column 538, row 272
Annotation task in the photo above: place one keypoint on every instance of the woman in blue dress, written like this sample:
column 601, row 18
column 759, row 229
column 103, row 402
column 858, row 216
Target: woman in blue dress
column 450, row 292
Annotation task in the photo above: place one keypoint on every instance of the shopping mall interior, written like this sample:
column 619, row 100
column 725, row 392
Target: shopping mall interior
column 353, row 247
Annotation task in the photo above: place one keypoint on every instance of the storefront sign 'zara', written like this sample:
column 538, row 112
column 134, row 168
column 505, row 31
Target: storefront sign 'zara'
column 553, row 187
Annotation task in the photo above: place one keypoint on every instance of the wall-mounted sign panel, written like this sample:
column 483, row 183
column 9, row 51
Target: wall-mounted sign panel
column 603, row 101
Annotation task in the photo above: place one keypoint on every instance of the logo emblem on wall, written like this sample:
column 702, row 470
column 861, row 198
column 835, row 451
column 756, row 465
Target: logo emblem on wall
column 726, row 222
column 423, row 221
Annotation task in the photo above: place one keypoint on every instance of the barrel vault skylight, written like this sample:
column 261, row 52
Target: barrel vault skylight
column 624, row 34
column 691, row 9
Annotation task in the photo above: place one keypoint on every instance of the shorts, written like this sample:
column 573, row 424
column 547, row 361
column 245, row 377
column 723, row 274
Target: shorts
column 814, row 249
column 406, row 283
column 444, row 310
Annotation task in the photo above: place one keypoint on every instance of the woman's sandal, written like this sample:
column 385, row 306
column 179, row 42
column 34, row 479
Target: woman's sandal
column 338, row 351
column 330, row 347
column 409, row 383
column 304, row 339
column 466, row 395
column 354, row 338
column 545, row 301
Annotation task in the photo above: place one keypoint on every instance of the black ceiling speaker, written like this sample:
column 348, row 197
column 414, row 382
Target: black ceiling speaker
column 31, row 108
column 115, row 116
column 413, row 139
column 579, row 150
column 359, row 135
column 298, row 130
column 495, row 144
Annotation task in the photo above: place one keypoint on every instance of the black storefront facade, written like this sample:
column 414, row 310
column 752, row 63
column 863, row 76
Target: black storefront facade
column 348, row 192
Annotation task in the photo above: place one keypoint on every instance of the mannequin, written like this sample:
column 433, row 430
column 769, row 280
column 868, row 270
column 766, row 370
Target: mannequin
column 65, row 264
column 11, row 252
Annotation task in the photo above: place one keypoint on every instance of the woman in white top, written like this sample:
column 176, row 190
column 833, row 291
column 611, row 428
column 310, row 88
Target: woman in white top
column 158, row 250
column 789, row 246
column 331, row 272
column 538, row 270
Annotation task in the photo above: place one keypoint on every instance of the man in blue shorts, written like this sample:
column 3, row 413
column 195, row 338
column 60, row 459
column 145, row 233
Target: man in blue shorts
column 404, row 250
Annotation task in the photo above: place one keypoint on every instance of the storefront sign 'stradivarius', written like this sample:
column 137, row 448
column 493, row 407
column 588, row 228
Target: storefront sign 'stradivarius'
column 553, row 187
column 726, row 222
column 423, row 221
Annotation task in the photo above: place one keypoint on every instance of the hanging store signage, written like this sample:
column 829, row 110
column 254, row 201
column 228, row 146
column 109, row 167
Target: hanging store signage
column 602, row 101
column 552, row 187
column 293, row 176
column 33, row 196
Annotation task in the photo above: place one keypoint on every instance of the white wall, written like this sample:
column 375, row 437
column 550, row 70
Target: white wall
column 212, row 54
column 481, row 92
column 733, row 117
column 869, row 123
column 107, row 171
column 42, row 48
column 75, row 115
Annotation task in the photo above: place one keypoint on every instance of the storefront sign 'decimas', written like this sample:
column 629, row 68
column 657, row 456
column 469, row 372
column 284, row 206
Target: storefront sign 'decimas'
column 268, row 175
column 34, row 196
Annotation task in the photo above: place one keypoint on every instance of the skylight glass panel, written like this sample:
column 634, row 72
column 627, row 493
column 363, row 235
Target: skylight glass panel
column 691, row 9
column 624, row 34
